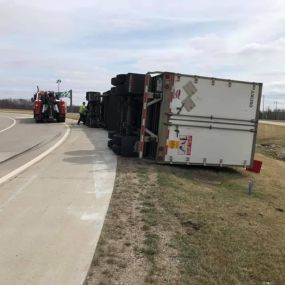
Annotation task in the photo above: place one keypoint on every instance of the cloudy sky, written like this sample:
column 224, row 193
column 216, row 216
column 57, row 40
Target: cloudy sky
column 86, row 42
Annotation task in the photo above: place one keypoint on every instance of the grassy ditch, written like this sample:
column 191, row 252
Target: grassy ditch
column 175, row 225
column 224, row 235
column 194, row 225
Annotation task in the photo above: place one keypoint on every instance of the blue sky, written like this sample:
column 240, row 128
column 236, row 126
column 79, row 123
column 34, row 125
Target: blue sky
column 86, row 42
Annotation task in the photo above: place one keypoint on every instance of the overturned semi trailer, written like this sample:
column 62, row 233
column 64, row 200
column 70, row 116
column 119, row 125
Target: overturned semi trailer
column 186, row 119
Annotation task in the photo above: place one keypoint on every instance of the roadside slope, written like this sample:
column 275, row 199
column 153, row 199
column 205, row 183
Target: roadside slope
column 193, row 225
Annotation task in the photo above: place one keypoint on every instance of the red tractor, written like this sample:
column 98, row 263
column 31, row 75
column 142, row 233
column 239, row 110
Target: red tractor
column 47, row 106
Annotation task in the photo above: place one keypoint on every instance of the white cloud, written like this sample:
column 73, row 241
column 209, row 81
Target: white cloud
column 86, row 42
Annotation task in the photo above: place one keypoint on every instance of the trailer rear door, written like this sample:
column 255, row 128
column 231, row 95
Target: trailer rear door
column 211, row 121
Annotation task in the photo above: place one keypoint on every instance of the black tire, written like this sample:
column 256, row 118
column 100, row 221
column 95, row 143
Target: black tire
column 127, row 146
column 121, row 90
column 114, row 81
column 61, row 120
column 137, row 83
column 92, row 123
column 113, row 91
column 121, row 79
column 111, row 134
column 117, row 139
column 116, row 149
column 38, row 119
column 110, row 143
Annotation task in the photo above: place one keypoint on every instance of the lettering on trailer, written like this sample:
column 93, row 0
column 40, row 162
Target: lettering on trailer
column 185, row 145
column 187, row 102
column 251, row 100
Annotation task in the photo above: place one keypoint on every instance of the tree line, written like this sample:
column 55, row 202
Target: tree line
column 269, row 114
column 16, row 104
column 25, row 104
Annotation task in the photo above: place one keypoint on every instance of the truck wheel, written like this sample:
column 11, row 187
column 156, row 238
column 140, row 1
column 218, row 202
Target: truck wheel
column 121, row 78
column 38, row 120
column 111, row 134
column 121, row 90
column 116, row 149
column 110, row 143
column 117, row 139
column 113, row 91
column 114, row 81
column 127, row 145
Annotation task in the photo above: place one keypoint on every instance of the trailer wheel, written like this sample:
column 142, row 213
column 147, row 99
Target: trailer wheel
column 121, row 90
column 116, row 149
column 113, row 91
column 111, row 134
column 110, row 143
column 121, row 78
column 114, row 81
column 117, row 139
column 127, row 146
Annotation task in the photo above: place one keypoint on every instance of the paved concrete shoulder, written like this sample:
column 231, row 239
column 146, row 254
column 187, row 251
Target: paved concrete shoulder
column 52, row 214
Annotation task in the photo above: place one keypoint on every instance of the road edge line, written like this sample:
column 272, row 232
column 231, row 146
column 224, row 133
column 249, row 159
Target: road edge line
column 11, row 126
column 34, row 160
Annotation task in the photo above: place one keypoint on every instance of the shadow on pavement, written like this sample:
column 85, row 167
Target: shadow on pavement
column 100, row 156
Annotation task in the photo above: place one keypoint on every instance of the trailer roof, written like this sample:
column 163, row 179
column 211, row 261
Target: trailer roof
column 205, row 77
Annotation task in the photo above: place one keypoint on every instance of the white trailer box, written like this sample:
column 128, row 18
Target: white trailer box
column 188, row 119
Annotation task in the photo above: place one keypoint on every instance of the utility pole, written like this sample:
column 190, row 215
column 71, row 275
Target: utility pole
column 263, row 114
column 70, row 91
column 276, row 109
column 58, row 82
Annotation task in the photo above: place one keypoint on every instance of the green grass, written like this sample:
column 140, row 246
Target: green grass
column 225, row 236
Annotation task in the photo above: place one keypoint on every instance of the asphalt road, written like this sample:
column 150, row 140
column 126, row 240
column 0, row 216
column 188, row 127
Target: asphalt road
column 51, row 213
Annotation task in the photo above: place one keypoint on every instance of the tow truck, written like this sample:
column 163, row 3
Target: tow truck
column 48, row 107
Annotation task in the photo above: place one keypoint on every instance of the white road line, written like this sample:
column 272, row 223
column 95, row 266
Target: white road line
column 11, row 126
column 36, row 159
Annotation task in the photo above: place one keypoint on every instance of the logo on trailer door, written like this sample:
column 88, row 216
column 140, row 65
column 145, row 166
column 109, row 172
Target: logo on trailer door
column 185, row 145
column 187, row 103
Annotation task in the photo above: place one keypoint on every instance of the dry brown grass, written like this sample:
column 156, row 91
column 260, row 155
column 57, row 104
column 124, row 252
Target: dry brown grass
column 271, row 134
column 271, row 141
